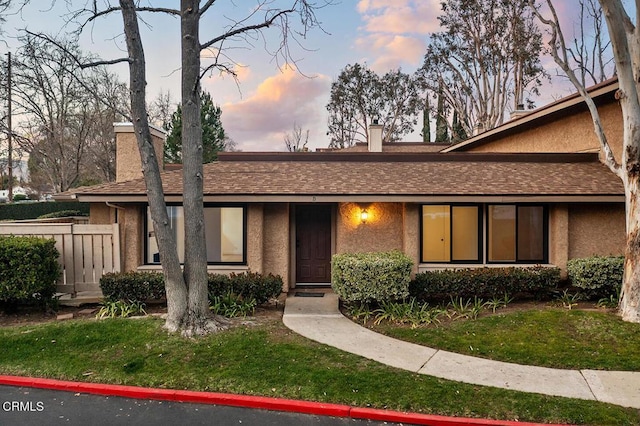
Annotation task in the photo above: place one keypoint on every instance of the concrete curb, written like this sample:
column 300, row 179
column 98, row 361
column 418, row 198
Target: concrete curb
column 258, row 402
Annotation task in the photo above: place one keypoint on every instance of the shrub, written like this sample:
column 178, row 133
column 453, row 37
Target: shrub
column 62, row 213
column 483, row 282
column 29, row 270
column 248, row 285
column 144, row 286
column 368, row 277
column 596, row 277
column 134, row 287
column 20, row 197
column 33, row 210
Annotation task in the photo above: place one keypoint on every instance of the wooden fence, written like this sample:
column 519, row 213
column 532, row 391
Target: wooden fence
column 86, row 251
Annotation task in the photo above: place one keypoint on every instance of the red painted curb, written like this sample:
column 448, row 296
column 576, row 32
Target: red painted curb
column 430, row 419
column 259, row 402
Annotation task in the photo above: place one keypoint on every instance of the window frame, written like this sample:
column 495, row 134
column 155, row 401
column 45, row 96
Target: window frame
column 480, row 258
column 244, row 207
column 545, row 234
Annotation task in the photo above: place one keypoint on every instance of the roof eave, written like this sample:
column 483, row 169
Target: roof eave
column 331, row 198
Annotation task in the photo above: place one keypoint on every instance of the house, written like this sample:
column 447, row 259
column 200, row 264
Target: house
column 531, row 191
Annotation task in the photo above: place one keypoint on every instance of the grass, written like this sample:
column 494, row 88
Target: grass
column 554, row 337
column 267, row 360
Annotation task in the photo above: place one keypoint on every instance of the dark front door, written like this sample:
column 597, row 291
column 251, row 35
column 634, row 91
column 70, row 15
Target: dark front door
column 313, row 244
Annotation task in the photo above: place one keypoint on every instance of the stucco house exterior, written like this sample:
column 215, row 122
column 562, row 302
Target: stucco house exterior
column 531, row 191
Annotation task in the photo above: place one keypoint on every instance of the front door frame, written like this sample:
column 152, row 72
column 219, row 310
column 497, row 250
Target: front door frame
column 293, row 232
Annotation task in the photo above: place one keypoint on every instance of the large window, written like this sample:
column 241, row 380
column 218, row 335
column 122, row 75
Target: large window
column 224, row 229
column 450, row 233
column 516, row 233
column 455, row 234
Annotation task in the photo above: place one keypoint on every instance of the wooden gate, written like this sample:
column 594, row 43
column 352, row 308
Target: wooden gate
column 86, row 251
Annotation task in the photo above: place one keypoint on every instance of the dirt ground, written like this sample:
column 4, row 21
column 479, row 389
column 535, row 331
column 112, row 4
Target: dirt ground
column 32, row 315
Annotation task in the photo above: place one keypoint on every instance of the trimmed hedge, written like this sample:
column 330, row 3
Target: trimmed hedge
column 29, row 270
column 62, row 213
column 597, row 277
column 484, row 282
column 369, row 277
column 24, row 211
column 132, row 286
column 145, row 286
column 248, row 285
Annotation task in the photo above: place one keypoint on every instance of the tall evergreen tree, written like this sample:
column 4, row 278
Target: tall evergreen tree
column 442, row 130
column 485, row 57
column 426, row 121
column 214, row 138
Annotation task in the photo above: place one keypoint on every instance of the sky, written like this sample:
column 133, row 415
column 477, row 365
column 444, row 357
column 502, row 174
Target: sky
column 268, row 97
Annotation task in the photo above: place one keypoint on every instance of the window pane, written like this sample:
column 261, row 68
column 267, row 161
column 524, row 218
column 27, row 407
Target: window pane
column 436, row 234
column 465, row 233
column 531, row 233
column 176, row 222
column 224, row 231
column 224, row 228
column 502, row 233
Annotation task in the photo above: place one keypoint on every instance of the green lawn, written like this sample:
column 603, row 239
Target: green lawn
column 268, row 360
column 551, row 337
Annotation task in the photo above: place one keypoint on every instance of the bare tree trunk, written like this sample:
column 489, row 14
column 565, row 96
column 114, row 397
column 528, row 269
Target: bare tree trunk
column 174, row 280
column 195, row 266
column 624, row 39
column 630, row 295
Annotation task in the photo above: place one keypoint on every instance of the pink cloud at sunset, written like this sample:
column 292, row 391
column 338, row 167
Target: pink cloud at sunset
column 392, row 51
column 277, row 103
column 400, row 17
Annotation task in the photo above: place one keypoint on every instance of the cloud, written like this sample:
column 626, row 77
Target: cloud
column 394, row 33
column 400, row 16
column 260, row 121
column 391, row 51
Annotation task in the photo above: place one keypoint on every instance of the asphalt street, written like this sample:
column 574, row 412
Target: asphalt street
column 29, row 406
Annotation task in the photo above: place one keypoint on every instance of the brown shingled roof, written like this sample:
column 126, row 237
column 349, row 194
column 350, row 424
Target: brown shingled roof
column 402, row 175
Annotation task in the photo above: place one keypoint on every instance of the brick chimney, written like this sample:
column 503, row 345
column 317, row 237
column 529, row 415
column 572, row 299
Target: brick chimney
column 128, row 163
column 375, row 137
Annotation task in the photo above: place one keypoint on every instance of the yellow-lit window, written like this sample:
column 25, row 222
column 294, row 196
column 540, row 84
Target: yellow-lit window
column 450, row 233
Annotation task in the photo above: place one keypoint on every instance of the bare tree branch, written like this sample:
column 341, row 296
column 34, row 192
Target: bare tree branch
column 558, row 50
column 246, row 29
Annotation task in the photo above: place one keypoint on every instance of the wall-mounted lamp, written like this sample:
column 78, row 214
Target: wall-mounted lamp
column 364, row 215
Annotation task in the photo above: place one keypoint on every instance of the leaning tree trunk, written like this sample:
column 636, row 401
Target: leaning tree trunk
column 630, row 295
column 174, row 280
column 195, row 265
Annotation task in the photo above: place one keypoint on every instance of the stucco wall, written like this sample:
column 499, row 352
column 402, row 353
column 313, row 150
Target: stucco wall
column 382, row 231
column 128, row 163
column 411, row 233
column 559, row 236
column 100, row 214
column 255, row 237
column 596, row 230
column 131, row 236
column 568, row 134
column 276, row 253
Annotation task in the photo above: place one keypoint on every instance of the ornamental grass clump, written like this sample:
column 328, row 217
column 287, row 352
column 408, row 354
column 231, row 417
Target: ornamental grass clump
column 371, row 277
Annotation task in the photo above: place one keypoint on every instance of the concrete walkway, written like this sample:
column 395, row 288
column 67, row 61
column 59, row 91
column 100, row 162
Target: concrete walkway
column 319, row 319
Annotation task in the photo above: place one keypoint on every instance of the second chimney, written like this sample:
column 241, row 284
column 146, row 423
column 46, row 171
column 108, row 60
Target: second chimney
column 375, row 137
column 128, row 163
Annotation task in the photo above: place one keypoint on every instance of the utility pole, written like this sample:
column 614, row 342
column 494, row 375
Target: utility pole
column 10, row 134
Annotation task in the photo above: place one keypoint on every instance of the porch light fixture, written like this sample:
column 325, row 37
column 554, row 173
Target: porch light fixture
column 364, row 215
